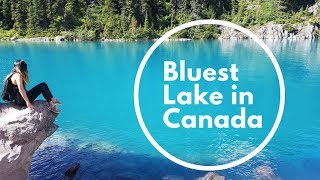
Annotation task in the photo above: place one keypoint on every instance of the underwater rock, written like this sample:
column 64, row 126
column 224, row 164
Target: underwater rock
column 21, row 133
column 212, row 176
column 265, row 173
column 71, row 172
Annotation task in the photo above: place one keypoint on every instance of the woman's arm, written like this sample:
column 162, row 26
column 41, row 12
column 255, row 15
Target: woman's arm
column 23, row 92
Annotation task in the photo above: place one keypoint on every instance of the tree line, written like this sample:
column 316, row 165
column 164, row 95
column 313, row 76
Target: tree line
column 138, row 19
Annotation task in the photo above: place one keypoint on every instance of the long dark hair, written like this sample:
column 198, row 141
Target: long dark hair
column 20, row 66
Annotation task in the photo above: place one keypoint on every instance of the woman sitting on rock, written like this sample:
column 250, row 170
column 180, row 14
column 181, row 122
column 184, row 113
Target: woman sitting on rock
column 14, row 89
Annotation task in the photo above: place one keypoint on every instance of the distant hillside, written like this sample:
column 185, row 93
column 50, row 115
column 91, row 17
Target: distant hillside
column 143, row 19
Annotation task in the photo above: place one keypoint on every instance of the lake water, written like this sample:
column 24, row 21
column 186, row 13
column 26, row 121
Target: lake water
column 99, row 128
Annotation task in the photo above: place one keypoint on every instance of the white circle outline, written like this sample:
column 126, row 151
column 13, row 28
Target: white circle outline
column 233, row 163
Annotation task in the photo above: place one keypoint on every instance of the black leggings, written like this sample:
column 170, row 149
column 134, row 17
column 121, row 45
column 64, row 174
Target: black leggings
column 33, row 93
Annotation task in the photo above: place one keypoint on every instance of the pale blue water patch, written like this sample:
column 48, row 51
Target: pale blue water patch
column 98, row 126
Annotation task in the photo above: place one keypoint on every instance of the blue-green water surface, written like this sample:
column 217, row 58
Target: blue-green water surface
column 98, row 126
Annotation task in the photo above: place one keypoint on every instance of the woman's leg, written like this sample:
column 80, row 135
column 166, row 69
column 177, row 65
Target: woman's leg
column 43, row 89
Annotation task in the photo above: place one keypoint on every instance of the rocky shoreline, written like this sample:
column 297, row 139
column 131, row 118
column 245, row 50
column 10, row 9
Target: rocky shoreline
column 275, row 31
column 306, row 29
column 270, row 30
column 59, row 39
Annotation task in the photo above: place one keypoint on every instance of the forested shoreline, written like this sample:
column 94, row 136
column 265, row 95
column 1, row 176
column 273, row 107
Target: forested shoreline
column 142, row 19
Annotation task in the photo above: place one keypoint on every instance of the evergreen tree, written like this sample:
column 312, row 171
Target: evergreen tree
column 234, row 7
column 174, row 12
column 184, row 6
column 51, row 13
column 195, row 9
column 111, row 18
column 147, row 29
column 137, row 10
column 37, row 21
column 55, row 13
column 128, row 8
column 19, row 15
column 133, row 27
column 72, row 13
column 69, row 16
column 142, row 18
column 7, row 22
column 1, row 14
column 146, row 13
column 221, row 6
column 110, row 7
column 157, row 13
column 277, row 8
column 146, row 24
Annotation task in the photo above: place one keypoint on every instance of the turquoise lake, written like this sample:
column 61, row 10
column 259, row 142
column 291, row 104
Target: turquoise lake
column 98, row 126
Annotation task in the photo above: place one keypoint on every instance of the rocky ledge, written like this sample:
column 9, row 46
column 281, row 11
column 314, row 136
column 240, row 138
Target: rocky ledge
column 56, row 39
column 274, row 31
column 21, row 133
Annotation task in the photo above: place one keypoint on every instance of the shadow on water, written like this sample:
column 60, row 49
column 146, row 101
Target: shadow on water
column 98, row 161
column 51, row 160
column 105, row 161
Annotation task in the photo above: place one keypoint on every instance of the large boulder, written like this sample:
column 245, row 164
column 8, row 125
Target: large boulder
column 230, row 33
column 59, row 39
column 305, row 32
column 271, row 31
column 21, row 133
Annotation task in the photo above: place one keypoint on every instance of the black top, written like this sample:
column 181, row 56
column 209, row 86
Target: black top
column 10, row 84
column 10, row 91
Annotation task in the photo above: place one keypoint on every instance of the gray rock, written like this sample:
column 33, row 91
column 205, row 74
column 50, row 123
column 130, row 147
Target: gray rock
column 306, row 32
column 230, row 33
column 13, row 38
column 21, row 133
column 36, row 39
column 271, row 31
column 314, row 9
column 265, row 173
column 112, row 40
column 212, row 176
column 59, row 39
column 274, row 31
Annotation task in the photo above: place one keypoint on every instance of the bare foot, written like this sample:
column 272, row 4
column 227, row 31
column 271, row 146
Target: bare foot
column 54, row 109
column 56, row 102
